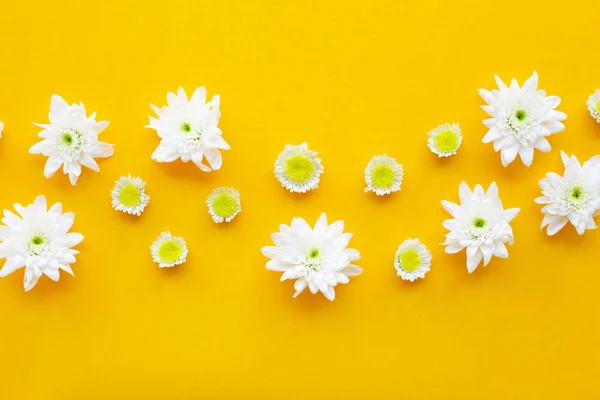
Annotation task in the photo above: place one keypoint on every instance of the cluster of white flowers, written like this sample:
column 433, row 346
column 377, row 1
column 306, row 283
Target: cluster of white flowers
column 522, row 117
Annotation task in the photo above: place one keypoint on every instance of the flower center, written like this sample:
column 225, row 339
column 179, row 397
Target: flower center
column 69, row 143
column 299, row 168
column 598, row 105
column 170, row 251
column 576, row 197
column 520, row 115
column 479, row 223
column 446, row 141
column 224, row 205
column 522, row 124
column 186, row 127
column 383, row 176
column 38, row 244
column 313, row 259
column 130, row 195
column 410, row 260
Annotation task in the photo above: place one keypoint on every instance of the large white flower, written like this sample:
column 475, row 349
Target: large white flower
column 70, row 140
column 315, row 257
column 39, row 240
column 480, row 224
column 188, row 130
column 574, row 197
column 522, row 118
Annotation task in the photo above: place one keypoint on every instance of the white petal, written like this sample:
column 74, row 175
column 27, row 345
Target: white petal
column 473, row 262
column 214, row 158
column 526, row 154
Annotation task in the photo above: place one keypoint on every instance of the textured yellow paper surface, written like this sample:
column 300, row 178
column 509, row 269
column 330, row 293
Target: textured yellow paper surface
column 353, row 79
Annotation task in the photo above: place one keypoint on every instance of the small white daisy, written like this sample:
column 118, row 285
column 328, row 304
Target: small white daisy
column 383, row 175
column 445, row 140
column 129, row 195
column 593, row 104
column 298, row 169
column 413, row 260
column 224, row 204
column 168, row 251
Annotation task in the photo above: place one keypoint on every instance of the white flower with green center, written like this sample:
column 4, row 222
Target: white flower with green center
column 412, row 260
column 129, row 195
column 317, row 258
column 71, row 140
column 383, row 175
column 39, row 240
column 224, row 204
column 480, row 224
column 522, row 119
column 593, row 104
column 445, row 140
column 189, row 130
column 298, row 169
column 168, row 250
column 573, row 197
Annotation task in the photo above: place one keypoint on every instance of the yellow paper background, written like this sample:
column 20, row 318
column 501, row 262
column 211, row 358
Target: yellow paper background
column 353, row 79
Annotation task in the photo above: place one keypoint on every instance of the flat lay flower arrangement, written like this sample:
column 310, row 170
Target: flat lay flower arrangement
column 37, row 238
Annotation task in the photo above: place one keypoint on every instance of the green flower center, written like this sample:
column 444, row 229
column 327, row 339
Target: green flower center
column 37, row 240
column 314, row 253
column 130, row 195
column 299, row 168
column 170, row 251
column 410, row 260
column 446, row 141
column 67, row 139
column 383, row 176
column 598, row 106
column 577, row 192
column 520, row 115
column 224, row 205
column 479, row 222
column 186, row 127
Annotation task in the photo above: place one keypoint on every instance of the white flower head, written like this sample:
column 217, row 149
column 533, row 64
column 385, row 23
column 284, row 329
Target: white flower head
column 189, row 130
column 224, row 204
column 315, row 257
column 383, row 175
column 39, row 240
column 445, row 140
column 168, row 250
column 412, row 260
column 70, row 140
column 298, row 169
column 593, row 104
column 522, row 118
column 129, row 195
column 573, row 197
column 480, row 224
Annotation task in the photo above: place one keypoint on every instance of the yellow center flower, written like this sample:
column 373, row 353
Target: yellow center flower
column 410, row 260
column 446, row 141
column 129, row 195
column 170, row 251
column 225, row 204
column 299, row 168
column 383, row 176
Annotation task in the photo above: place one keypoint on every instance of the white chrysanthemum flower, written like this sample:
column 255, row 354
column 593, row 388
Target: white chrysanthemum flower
column 413, row 260
column 480, row 224
column 445, row 140
column 39, row 240
column 593, row 104
column 224, row 204
column 298, row 169
column 383, row 175
column 315, row 257
column 574, row 197
column 129, row 195
column 189, row 130
column 522, row 118
column 70, row 140
column 168, row 250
